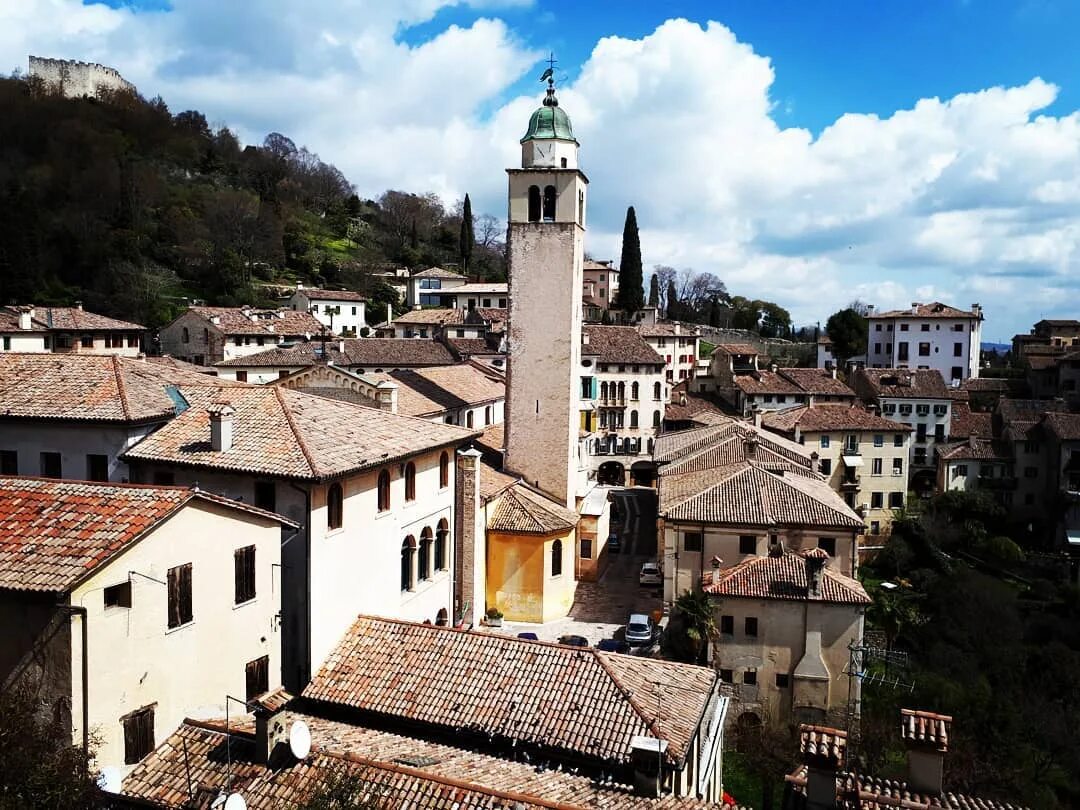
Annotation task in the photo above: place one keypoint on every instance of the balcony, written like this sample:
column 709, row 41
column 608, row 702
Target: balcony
column 1001, row 484
column 851, row 484
column 612, row 402
column 614, row 446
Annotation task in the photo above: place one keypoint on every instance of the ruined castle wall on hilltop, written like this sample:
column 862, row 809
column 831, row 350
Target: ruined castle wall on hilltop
column 76, row 79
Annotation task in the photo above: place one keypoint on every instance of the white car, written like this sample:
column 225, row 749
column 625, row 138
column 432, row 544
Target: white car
column 639, row 630
column 650, row 574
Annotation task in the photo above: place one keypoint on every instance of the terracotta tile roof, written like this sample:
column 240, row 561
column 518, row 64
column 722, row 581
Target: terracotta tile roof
column 479, row 288
column 877, row 793
column 975, row 449
column 520, row 510
column 493, row 481
column 817, row 381
column 9, row 321
column 966, row 422
column 428, row 317
column 745, row 494
column 301, row 353
column 251, row 321
column 361, row 352
column 465, row 347
column 590, row 264
column 284, row 433
column 431, row 391
column 726, row 442
column 74, row 319
column 667, row 329
column 89, row 387
column 618, row 344
column 578, row 701
column 766, row 382
column 828, row 417
column 272, row 701
column 436, row 272
column 733, row 450
column 934, row 309
column 737, row 348
column 491, row 444
column 988, row 384
column 53, row 533
column 823, row 744
column 1062, row 426
column 784, row 577
column 687, row 406
column 314, row 294
column 903, row 383
column 925, row 729
column 168, row 361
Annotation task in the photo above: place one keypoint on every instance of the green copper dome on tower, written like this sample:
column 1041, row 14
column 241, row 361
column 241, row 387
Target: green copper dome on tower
column 550, row 121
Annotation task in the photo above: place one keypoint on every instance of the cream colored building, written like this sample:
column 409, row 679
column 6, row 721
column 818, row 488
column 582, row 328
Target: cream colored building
column 862, row 456
column 169, row 597
column 208, row 335
column 678, row 345
column 67, row 330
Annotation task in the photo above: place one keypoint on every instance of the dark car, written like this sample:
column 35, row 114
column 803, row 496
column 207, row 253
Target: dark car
column 613, row 645
column 529, row 636
column 574, row 641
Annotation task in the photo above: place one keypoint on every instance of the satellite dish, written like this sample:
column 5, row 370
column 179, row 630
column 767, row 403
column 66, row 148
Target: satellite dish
column 299, row 740
column 235, row 802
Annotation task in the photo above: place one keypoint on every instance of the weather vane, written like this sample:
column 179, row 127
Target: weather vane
column 549, row 74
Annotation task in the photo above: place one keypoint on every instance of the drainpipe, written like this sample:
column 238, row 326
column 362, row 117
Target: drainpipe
column 306, row 618
column 81, row 612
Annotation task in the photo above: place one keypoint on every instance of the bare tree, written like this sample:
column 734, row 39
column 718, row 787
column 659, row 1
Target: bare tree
column 665, row 275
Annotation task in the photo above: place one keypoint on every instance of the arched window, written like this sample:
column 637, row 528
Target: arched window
column 656, row 391
column 334, row 498
column 534, row 203
column 549, row 203
column 603, row 390
column 469, row 419
column 556, row 558
column 622, row 391
column 442, row 618
column 384, row 490
column 487, row 414
column 633, row 419
column 656, row 419
column 442, row 536
column 408, row 549
column 634, row 390
column 581, row 208
column 424, row 564
column 444, row 470
column 185, row 335
column 410, row 482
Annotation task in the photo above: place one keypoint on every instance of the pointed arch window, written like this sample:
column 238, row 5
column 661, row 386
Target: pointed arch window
column 534, row 203
column 444, row 470
column 549, row 203
column 656, row 391
column 423, row 566
column 556, row 558
column 334, row 506
column 634, row 389
column 384, row 490
column 410, row 482
column 633, row 419
column 656, row 419
column 442, row 539
column 408, row 551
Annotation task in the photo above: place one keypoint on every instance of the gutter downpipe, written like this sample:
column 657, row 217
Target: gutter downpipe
column 305, row 672
column 82, row 613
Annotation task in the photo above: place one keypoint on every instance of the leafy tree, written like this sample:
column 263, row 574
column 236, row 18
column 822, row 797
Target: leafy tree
column 654, row 290
column 847, row 329
column 631, row 297
column 466, row 240
column 691, row 627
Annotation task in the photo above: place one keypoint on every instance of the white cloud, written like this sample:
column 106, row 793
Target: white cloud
column 962, row 196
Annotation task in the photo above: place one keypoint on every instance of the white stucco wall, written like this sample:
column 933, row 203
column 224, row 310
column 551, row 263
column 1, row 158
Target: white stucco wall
column 134, row 658
column 893, row 408
column 22, row 342
column 883, row 346
column 73, row 441
column 351, row 317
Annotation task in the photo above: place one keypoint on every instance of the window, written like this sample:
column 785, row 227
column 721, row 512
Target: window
column 826, row 466
column 656, row 419
column 750, row 677
column 727, row 675
column 782, row 680
column 748, row 544
column 244, row 574
column 185, row 336
column 750, row 626
column 633, row 419
column 444, row 470
column 179, row 600
column 903, row 327
column 118, row 595
column 656, row 391
column 879, row 440
column 875, row 527
column 50, row 465
column 442, row 535
column 586, row 548
column 941, row 410
column 97, row 467
column 408, row 549
column 534, row 203
column 828, row 545
column 898, row 440
column 957, row 373
column 1031, row 472
column 241, row 376
column 410, row 481
column 634, row 391
column 1031, row 446
column 877, row 500
column 877, row 327
column 424, row 559
column 875, row 466
column 920, row 432
column 888, row 407
column 905, row 409
column 266, row 495
column 824, row 440
column 902, row 351
column 939, row 433
column 384, row 490
column 691, row 541
column 924, row 350
column 7, row 343
column 897, row 466
column 961, row 470
column 469, row 419
column 487, row 414
column 9, row 462
column 922, row 410
column 877, row 348
column 896, row 500
column 164, row 478
column 925, row 327
column 257, row 677
column 727, row 625
column 556, row 558
column 958, row 350
column 138, row 734
column 334, row 506
column 549, row 203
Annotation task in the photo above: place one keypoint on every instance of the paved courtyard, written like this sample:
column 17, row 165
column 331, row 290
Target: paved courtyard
column 601, row 608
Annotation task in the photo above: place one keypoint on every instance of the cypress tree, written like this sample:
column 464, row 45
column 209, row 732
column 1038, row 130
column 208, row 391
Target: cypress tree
column 674, row 310
column 654, row 290
column 631, row 296
column 466, row 240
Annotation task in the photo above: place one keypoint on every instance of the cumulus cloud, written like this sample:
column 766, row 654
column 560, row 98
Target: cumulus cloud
column 972, row 196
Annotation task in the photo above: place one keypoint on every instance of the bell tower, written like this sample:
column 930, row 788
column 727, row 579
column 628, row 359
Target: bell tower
column 546, row 248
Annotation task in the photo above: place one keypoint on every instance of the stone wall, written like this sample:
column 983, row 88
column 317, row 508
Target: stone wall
column 75, row 79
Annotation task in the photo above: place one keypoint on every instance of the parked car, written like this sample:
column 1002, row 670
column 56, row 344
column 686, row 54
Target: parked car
column 529, row 636
column 574, row 641
column 614, row 545
column 613, row 645
column 650, row 574
column 639, row 630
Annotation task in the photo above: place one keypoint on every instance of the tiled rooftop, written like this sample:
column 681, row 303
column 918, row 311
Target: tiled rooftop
column 65, row 319
column 578, row 701
column 285, row 433
column 875, row 793
column 429, row 317
column 53, row 533
column 934, row 309
column 260, row 322
column 1063, row 426
column 829, row 417
column 331, row 295
column 521, row 510
column 784, row 577
column 737, row 348
column 823, row 743
column 925, row 729
column 966, row 422
column 367, row 353
column 618, row 344
column 817, row 381
column 903, row 383
column 436, row 272
column 975, row 449
column 729, row 436
column 667, row 329
column 766, row 382
column 424, row 392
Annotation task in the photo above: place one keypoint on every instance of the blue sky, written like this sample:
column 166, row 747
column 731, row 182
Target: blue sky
column 806, row 152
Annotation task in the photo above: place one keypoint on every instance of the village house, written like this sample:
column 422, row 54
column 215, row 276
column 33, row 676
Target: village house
column 916, row 397
column 862, row 456
column 73, row 416
column 678, row 346
column 737, row 378
column 444, row 324
column 207, row 335
column 341, row 311
column 425, row 287
column 655, row 735
column 126, row 607
column 372, row 492
column 1060, row 336
column 67, row 330
column 600, row 287
column 927, row 336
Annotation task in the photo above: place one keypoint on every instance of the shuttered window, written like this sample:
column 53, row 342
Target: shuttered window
column 179, row 595
column 257, row 676
column 244, row 571
column 138, row 734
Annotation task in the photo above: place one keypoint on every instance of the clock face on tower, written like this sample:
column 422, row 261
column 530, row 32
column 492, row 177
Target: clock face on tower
column 543, row 152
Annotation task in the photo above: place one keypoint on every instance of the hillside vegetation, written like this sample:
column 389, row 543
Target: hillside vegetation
column 132, row 209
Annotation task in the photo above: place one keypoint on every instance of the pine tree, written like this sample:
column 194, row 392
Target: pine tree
column 466, row 240
column 654, row 290
column 631, row 296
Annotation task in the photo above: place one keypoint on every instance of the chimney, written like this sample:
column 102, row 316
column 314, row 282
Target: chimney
column 271, row 730
column 389, row 313
column 816, row 559
column 869, row 310
column 299, row 285
column 647, row 756
column 750, row 445
column 757, row 417
column 469, row 584
column 388, row 396
column 823, row 750
column 78, row 305
column 221, row 426
column 678, row 330
column 815, row 460
column 341, row 347
column 926, row 737
column 26, row 317
column 773, row 367
column 584, row 338
column 976, row 309
column 914, row 307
